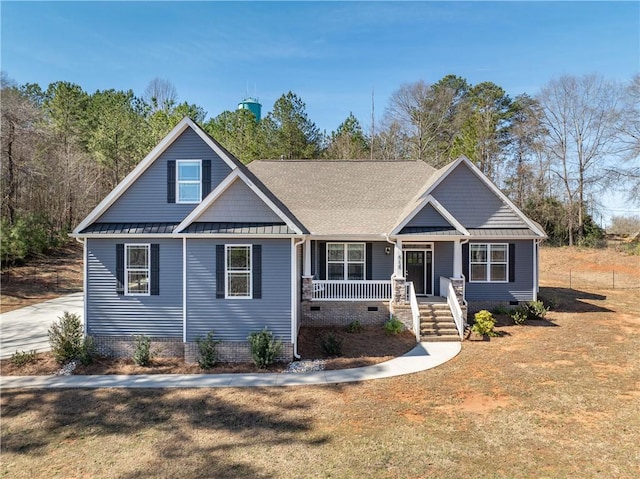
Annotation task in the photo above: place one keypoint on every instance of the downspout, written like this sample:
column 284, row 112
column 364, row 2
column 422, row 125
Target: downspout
column 536, row 267
column 83, row 242
column 294, row 296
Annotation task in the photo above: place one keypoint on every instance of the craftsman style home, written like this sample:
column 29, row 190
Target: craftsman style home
column 193, row 241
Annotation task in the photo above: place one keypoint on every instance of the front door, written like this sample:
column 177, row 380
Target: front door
column 418, row 266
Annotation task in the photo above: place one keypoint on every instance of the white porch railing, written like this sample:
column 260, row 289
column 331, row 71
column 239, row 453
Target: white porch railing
column 446, row 288
column 415, row 309
column 326, row 290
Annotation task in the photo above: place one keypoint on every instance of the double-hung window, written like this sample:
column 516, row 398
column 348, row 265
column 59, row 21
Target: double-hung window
column 137, row 270
column 345, row 261
column 489, row 262
column 238, row 271
column 188, row 181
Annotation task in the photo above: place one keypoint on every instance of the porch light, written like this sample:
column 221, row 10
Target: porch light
column 387, row 250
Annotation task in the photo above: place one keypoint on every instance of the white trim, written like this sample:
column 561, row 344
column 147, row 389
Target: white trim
column 346, row 262
column 148, row 160
column 184, row 290
column 220, row 189
column 126, row 268
column 199, row 182
column 85, row 282
column 226, row 271
column 489, row 263
column 436, row 206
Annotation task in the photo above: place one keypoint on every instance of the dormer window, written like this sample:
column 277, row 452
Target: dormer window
column 188, row 181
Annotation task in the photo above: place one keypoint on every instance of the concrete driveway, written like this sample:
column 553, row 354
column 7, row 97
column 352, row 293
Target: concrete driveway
column 26, row 328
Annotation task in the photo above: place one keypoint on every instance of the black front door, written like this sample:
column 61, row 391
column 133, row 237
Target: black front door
column 418, row 270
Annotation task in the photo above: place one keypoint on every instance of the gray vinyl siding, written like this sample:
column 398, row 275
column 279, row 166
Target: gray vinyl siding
column 110, row 314
column 382, row 263
column 239, row 203
column 428, row 216
column 520, row 290
column 235, row 319
column 472, row 203
column 146, row 199
column 442, row 263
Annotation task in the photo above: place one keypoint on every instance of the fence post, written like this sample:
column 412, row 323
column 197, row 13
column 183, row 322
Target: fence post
column 570, row 280
column 613, row 278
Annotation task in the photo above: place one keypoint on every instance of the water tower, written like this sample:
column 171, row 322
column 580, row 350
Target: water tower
column 251, row 104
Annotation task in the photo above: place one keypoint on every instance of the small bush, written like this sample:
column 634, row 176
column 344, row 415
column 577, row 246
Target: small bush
column 264, row 348
column 87, row 352
column 355, row 327
column 66, row 338
column 520, row 315
column 500, row 310
column 484, row 324
column 21, row 358
column 207, row 351
column 142, row 350
column 536, row 310
column 331, row 345
column 394, row 326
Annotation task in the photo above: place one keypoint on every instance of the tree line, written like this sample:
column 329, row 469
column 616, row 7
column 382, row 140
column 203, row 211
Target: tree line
column 64, row 149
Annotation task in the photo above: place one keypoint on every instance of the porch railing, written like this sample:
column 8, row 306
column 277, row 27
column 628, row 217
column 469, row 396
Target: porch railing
column 446, row 288
column 327, row 290
column 415, row 309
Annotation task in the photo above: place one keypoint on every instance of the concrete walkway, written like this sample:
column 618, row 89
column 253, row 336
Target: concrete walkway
column 422, row 357
column 26, row 328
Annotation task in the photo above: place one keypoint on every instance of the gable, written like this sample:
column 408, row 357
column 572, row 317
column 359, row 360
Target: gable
column 473, row 203
column 428, row 216
column 146, row 198
column 238, row 204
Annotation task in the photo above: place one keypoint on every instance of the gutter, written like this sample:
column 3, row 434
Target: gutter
column 294, row 297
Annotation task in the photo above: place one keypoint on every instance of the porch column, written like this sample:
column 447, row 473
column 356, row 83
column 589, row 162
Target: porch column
column 307, row 257
column 398, row 267
column 457, row 259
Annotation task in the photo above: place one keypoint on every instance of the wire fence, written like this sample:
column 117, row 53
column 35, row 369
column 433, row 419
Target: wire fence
column 589, row 279
column 40, row 279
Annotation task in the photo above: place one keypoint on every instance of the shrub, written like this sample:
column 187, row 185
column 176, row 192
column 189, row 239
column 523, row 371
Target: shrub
column 331, row 345
column 520, row 315
column 484, row 324
column 66, row 338
column 355, row 327
column 500, row 310
column 394, row 326
column 207, row 351
column 21, row 358
column 87, row 352
column 142, row 350
column 536, row 310
column 264, row 348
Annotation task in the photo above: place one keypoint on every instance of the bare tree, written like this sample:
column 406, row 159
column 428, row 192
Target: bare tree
column 580, row 115
column 160, row 94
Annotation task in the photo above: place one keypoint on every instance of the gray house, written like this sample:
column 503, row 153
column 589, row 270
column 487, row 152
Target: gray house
column 192, row 240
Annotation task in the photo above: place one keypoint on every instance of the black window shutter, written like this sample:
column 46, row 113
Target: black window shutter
column 206, row 178
column 368, row 249
column 465, row 261
column 220, row 271
column 155, row 270
column 322, row 260
column 257, row 271
column 171, row 181
column 120, row 268
column 512, row 262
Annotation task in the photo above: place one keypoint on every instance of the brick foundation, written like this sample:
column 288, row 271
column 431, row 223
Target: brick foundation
column 475, row 306
column 402, row 312
column 342, row 313
column 234, row 352
column 124, row 346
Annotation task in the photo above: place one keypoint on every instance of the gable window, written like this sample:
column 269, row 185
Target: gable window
column 238, row 271
column 137, row 270
column 188, row 181
column 489, row 262
column 345, row 261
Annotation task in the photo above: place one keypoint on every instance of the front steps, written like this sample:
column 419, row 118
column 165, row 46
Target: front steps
column 436, row 322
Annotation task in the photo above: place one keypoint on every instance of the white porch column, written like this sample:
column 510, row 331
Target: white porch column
column 457, row 259
column 307, row 258
column 398, row 267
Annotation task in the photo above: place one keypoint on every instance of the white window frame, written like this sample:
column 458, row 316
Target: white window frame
column 346, row 262
column 127, row 269
column 228, row 272
column 188, row 182
column 489, row 262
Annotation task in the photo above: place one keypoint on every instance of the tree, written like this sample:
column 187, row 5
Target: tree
column 289, row 131
column 580, row 115
column 348, row 142
column 160, row 94
column 239, row 133
column 628, row 171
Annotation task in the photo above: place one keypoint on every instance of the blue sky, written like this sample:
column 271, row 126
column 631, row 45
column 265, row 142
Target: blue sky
column 332, row 54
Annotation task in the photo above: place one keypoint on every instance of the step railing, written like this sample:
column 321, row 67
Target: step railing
column 328, row 290
column 446, row 288
column 415, row 309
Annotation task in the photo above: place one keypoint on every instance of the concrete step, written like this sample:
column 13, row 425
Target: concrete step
column 433, row 337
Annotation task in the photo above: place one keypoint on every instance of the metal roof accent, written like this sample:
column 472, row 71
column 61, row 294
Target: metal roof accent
column 129, row 228
column 500, row 232
column 239, row 228
column 430, row 230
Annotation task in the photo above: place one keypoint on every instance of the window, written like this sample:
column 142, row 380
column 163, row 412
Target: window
column 137, row 269
column 345, row 261
column 488, row 262
column 238, row 271
column 188, row 181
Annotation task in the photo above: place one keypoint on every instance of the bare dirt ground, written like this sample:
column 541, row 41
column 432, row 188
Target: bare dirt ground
column 550, row 399
column 41, row 279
